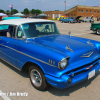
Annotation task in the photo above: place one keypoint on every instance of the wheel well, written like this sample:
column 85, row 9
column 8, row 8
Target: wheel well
column 97, row 29
column 28, row 64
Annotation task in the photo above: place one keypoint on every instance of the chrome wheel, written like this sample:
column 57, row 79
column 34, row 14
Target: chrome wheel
column 36, row 78
column 61, row 21
column 98, row 31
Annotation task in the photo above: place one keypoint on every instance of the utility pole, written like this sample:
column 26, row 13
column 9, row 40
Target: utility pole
column 78, row 2
column 65, row 5
column 12, row 8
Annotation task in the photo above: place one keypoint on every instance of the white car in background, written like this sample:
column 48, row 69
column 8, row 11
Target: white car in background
column 88, row 19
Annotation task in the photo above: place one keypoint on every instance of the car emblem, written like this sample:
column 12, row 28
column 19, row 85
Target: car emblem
column 68, row 48
column 87, row 55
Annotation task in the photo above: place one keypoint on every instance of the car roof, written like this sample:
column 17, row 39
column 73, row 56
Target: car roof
column 22, row 21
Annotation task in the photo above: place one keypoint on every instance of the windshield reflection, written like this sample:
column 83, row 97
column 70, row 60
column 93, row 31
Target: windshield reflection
column 39, row 29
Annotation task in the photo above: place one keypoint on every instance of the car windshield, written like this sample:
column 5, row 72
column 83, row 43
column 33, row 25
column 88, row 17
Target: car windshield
column 39, row 29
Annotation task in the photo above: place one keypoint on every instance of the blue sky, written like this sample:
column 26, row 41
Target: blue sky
column 45, row 5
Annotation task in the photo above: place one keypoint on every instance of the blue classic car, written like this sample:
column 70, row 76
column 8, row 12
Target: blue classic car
column 67, row 20
column 50, row 57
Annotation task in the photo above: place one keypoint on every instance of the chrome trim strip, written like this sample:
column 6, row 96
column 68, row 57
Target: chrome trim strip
column 19, row 61
column 90, row 53
column 28, row 55
column 10, row 64
column 8, row 56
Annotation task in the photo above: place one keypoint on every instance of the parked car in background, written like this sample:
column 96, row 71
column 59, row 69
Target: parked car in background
column 77, row 19
column 50, row 57
column 67, row 20
column 57, row 18
column 88, row 19
column 95, row 27
column 42, row 16
column 61, row 17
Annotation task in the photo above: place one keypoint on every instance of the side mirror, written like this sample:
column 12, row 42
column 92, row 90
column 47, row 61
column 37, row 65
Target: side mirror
column 69, row 33
column 24, row 38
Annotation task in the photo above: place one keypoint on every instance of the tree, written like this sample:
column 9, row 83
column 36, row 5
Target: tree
column 29, row 11
column 38, row 11
column 33, row 11
column 26, row 11
column 14, row 11
column 41, row 12
column 7, row 12
column 2, row 11
column 56, row 10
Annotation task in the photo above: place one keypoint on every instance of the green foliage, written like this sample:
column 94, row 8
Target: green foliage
column 26, row 11
column 33, row 11
column 7, row 12
column 2, row 11
column 41, row 12
column 22, row 12
column 56, row 10
column 30, row 11
column 37, row 11
column 14, row 11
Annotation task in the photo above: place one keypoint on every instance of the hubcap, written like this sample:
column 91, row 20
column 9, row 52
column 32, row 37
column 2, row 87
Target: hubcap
column 98, row 31
column 36, row 78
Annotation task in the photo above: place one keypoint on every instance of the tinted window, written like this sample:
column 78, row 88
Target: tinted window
column 38, row 29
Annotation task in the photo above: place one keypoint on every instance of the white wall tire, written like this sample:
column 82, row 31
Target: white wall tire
column 98, row 31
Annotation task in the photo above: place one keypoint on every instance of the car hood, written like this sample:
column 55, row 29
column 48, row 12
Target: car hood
column 78, row 17
column 76, row 49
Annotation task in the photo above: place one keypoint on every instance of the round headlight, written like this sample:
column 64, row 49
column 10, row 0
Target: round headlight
column 63, row 64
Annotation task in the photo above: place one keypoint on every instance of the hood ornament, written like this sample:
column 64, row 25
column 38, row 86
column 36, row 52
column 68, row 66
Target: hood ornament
column 87, row 54
column 69, row 33
column 68, row 48
column 88, row 42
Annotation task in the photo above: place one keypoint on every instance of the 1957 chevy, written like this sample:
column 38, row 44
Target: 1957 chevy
column 51, row 58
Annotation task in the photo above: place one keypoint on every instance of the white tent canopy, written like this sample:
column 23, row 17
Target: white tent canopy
column 42, row 15
column 2, row 14
column 19, row 14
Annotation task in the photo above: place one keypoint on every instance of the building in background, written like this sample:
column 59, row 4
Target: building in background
column 53, row 14
column 83, row 11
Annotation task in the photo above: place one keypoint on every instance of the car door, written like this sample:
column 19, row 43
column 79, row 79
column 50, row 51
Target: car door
column 3, row 30
column 67, row 19
column 87, row 19
column 0, row 46
column 8, row 47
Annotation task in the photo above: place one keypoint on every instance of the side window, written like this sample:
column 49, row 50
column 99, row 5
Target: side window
column 20, row 33
column 7, row 31
column 10, row 33
column 3, row 30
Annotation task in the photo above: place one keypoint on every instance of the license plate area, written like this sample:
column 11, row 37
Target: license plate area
column 91, row 74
